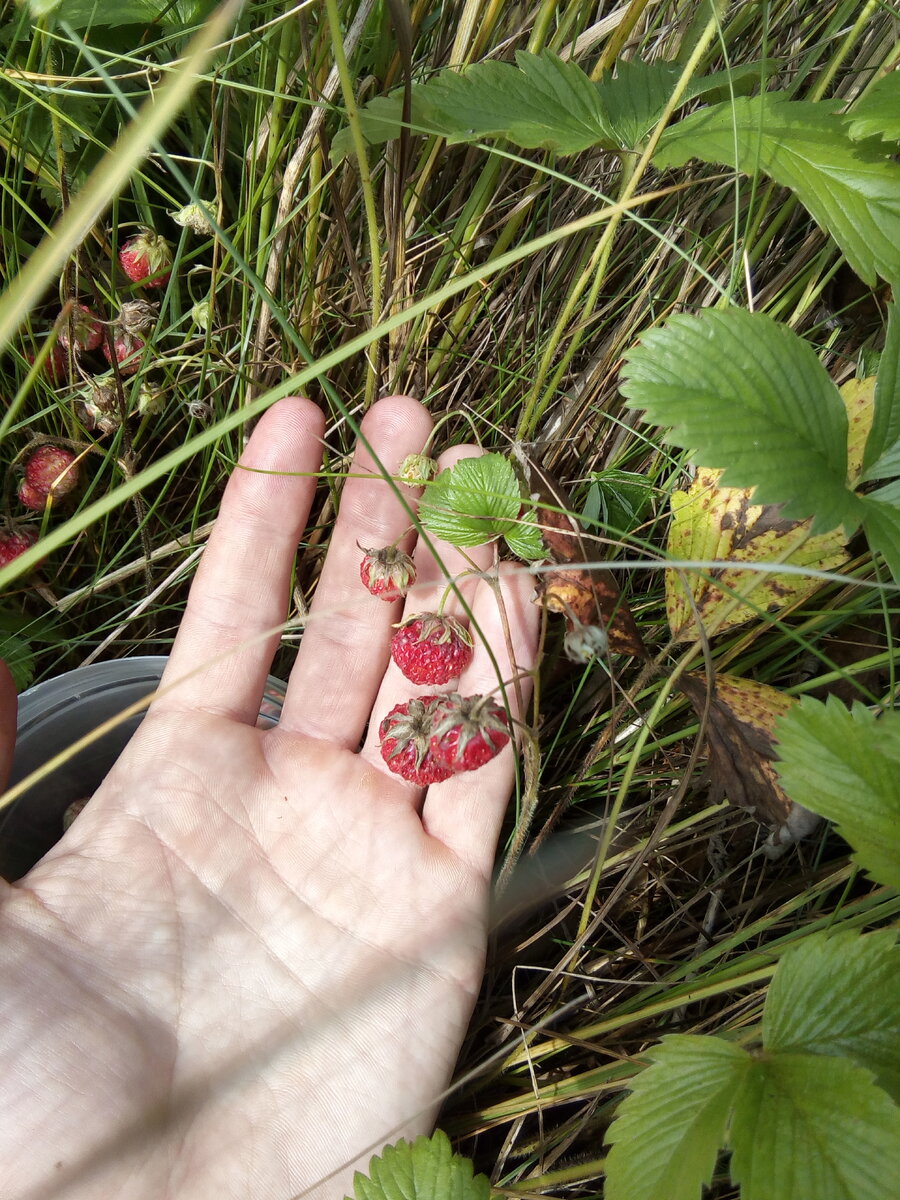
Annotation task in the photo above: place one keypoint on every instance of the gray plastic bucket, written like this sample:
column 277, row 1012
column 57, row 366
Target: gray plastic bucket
column 56, row 713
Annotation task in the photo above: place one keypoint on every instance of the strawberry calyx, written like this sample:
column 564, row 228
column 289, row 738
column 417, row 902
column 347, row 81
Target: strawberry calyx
column 468, row 731
column 405, row 741
column 437, row 628
column 387, row 571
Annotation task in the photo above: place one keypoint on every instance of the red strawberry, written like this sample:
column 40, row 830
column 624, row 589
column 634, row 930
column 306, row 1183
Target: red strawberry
column 431, row 648
column 32, row 497
column 405, row 738
column 468, row 731
column 147, row 259
column 87, row 330
column 56, row 365
column 387, row 573
column 51, row 470
column 128, row 351
column 15, row 542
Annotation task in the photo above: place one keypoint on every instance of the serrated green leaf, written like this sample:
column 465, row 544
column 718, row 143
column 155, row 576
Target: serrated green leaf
column 525, row 540
column 85, row 14
column 837, row 994
column 882, row 456
column 806, row 1127
column 668, row 1132
column 473, row 502
column 877, row 114
column 844, row 766
column 635, row 98
column 427, row 1169
column 541, row 102
column 18, row 656
column 748, row 395
column 881, row 522
column 852, row 189
column 617, row 500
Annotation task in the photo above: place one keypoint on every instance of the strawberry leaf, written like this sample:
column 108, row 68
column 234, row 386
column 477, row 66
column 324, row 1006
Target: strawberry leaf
column 808, row 1126
column 750, row 396
column 882, row 456
column 667, row 1135
column 852, row 189
column 635, row 98
column 525, row 540
column 835, row 994
column 19, row 657
column 881, row 521
column 475, row 501
column 844, row 766
column 877, row 114
column 423, row 1170
column 542, row 101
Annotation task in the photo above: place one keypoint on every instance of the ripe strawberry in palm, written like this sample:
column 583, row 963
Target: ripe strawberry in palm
column 468, row 731
column 406, row 741
column 431, row 648
column 387, row 572
column 147, row 259
column 86, row 327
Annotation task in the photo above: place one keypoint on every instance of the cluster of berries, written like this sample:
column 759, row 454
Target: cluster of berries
column 429, row 738
column 146, row 259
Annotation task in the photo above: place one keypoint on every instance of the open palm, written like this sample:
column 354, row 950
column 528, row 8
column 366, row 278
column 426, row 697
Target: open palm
column 254, row 956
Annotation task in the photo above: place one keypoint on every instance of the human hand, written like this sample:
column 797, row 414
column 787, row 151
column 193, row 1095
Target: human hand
column 254, row 955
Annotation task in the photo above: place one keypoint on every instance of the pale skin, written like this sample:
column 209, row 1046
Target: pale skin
column 253, row 957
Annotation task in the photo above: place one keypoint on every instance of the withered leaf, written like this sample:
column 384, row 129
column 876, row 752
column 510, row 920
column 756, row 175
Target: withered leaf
column 710, row 522
column 740, row 740
column 585, row 595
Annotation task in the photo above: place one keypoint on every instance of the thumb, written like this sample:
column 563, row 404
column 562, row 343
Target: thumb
column 9, row 708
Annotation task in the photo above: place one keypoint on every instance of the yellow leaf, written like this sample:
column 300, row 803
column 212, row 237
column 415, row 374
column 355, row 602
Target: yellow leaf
column 712, row 522
column 859, row 400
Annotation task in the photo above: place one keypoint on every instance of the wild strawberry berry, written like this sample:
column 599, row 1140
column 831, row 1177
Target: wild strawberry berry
column 32, row 497
column 147, row 259
column 431, row 648
column 387, row 572
column 15, row 542
column 468, row 731
column 53, row 471
column 405, row 741
column 128, row 348
column 87, row 330
column 56, row 365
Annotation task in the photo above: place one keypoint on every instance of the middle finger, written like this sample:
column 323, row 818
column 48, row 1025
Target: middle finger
column 346, row 643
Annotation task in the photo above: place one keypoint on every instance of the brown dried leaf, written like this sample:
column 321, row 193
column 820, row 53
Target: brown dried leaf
column 586, row 595
column 740, row 739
